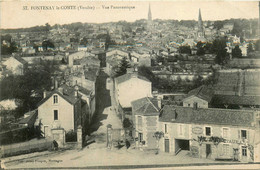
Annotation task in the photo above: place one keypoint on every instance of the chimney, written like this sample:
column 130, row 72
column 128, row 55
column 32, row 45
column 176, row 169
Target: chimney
column 159, row 99
column 76, row 91
column 44, row 93
column 174, row 115
column 55, row 84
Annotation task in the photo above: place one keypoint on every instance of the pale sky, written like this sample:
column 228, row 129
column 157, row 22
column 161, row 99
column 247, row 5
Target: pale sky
column 13, row 15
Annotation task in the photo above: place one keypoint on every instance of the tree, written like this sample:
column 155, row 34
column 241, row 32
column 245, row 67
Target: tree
column 200, row 48
column 47, row 44
column 123, row 67
column 250, row 48
column 84, row 41
column 158, row 135
column 236, row 52
column 34, row 81
column 47, row 27
column 257, row 45
column 185, row 49
column 146, row 72
column 219, row 48
column 127, row 124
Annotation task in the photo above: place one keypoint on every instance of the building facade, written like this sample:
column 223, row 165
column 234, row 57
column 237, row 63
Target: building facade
column 61, row 108
column 130, row 87
column 219, row 134
column 145, row 113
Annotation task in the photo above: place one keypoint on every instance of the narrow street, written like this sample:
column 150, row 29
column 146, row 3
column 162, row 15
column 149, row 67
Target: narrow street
column 105, row 112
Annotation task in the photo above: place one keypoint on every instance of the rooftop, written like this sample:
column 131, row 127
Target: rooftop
column 177, row 114
column 145, row 106
column 128, row 76
column 67, row 93
column 203, row 92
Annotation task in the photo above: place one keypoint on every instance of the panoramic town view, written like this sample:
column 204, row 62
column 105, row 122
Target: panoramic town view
column 150, row 93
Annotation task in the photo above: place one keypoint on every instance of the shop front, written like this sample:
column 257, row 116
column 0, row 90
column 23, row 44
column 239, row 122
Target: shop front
column 217, row 148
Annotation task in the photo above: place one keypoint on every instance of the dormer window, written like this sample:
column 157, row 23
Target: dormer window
column 55, row 99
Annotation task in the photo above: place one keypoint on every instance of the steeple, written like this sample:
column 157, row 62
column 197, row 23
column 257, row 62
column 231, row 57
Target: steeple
column 200, row 26
column 149, row 21
column 149, row 13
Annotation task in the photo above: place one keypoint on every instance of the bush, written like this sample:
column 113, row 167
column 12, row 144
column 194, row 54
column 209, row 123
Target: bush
column 71, row 136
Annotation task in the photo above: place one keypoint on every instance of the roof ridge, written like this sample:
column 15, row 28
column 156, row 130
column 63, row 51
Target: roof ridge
column 152, row 104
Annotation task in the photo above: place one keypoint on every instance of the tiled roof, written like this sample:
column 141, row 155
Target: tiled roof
column 68, row 95
column 203, row 92
column 145, row 106
column 20, row 59
column 236, row 100
column 128, row 76
column 83, row 90
column 30, row 119
column 214, row 116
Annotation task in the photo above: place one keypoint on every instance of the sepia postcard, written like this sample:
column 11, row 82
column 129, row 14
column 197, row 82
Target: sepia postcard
column 165, row 84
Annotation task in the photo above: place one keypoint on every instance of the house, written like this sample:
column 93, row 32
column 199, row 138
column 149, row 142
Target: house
column 138, row 58
column 16, row 64
column 118, row 54
column 218, row 134
column 130, row 87
column 29, row 119
column 61, row 108
column 200, row 97
column 145, row 117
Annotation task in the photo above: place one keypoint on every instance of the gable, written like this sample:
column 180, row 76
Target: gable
column 62, row 98
column 133, row 81
column 11, row 61
column 194, row 98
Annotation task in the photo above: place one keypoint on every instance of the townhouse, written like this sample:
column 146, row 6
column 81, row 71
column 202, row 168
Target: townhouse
column 211, row 133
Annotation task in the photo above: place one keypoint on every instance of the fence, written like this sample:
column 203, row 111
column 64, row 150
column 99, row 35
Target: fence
column 34, row 145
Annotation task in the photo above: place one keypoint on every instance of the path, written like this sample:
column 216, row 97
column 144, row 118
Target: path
column 105, row 111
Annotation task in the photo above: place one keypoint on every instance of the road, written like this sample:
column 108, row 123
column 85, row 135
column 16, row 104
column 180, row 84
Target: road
column 105, row 111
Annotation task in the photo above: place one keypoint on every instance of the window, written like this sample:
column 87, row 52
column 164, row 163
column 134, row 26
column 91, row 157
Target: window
column 55, row 99
column 55, row 114
column 243, row 134
column 140, row 137
column 225, row 132
column 165, row 128
column 208, row 131
column 225, row 149
column 140, row 123
column 244, row 151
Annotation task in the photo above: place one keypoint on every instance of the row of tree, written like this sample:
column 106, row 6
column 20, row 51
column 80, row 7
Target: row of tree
column 28, row 88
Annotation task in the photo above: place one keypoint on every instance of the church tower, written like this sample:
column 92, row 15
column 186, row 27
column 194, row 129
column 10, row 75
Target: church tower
column 201, row 32
column 149, row 21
